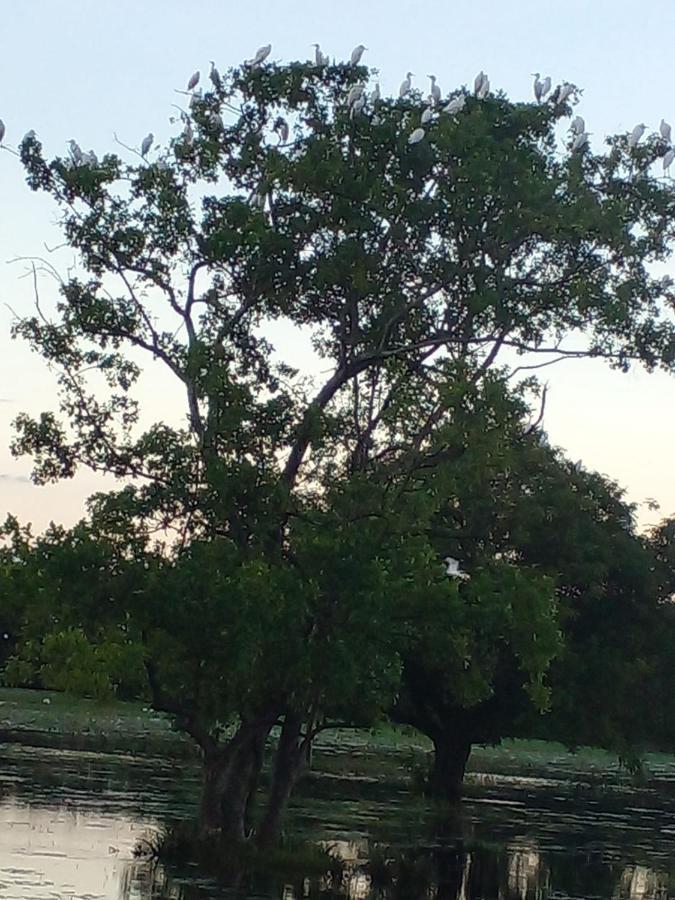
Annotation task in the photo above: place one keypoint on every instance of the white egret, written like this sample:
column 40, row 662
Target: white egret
column 193, row 82
column 214, row 75
column 76, row 152
column 455, row 105
column 578, row 125
column 405, row 85
column 282, row 130
column 29, row 136
column 91, row 159
column 538, row 87
column 452, row 569
column 375, row 93
column 564, row 92
column 546, row 86
column 416, row 136
column 2, row 130
column 478, row 82
column 217, row 120
column 318, row 55
column 426, row 116
column 261, row 55
column 665, row 130
column 355, row 92
column 636, row 134
column 357, row 53
column 668, row 159
column 484, row 88
column 358, row 106
column 434, row 91
column 580, row 141
column 147, row 144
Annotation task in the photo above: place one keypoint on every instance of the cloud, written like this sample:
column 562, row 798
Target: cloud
column 22, row 479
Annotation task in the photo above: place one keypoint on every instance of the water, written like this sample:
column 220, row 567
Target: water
column 69, row 822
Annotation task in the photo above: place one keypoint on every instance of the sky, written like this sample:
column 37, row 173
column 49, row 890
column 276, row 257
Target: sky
column 91, row 70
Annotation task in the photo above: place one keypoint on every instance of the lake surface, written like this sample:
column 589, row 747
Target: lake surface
column 69, row 822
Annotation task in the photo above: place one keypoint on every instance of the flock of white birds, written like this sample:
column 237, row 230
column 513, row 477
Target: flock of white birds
column 359, row 102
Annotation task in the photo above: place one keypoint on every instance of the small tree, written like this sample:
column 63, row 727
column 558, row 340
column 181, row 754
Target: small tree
column 413, row 266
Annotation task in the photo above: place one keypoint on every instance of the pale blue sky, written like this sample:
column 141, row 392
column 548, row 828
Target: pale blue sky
column 88, row 69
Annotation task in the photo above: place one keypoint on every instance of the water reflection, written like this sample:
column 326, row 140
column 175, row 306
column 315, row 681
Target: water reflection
column 69, row 822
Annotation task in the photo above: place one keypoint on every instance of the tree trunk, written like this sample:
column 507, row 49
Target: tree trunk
column 230, row 776
column 451, row 754
column 289, row 760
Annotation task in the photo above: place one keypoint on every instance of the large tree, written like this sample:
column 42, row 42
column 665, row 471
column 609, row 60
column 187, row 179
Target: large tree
column 413, row 266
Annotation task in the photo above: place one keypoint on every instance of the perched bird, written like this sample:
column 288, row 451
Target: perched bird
column 455, row 105
column 188, row 134
column 580, row 141
column 636, row 134
column 434, row 91
column 91, row 159
column 566, row 91
column 2, row 130
column 76, row 152
column 452, row 569
column 282, row 130
column 147, row 144
column 357, row 53
column 355, row 91
column 29, row 136
column 479, row 82
column 318, row 55
column 261, row 55
column 375, row 93
column 578, row 125
column 484, row 88
column 217, row 120
column 405, row 85
column 537, row 87
column 214, row 75
column 358, row 106
column 193, row 82
column 668, row 159
column 546, row 86
column 426, row 116
column 416, row 136
column 665, row 130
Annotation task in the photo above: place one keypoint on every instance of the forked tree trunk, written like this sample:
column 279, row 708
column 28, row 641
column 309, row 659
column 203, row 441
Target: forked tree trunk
column 230, row 777
column 451, row 754
column 289, row 761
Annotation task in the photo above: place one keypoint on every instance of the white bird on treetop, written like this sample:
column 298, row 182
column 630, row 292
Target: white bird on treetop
column 564, row 92
column 435, row 91
column 261, row 55
column 426, row 116
column 358, row 106
column 478, row 82
column 29, row 136
column 405, row 85
column 318, row 55
column 357, row 53
column 147, row 144
column 578, row 125
column 455, row 105
column 668, row 159
column 2, row 130
column 484, row 88
column 214, row 75
column 636, row 134
column 416, row 136
column 355, row 92
column 193, row 82
column 375, row 93
column 538, row 87
column 546, row 86
column 75, row 152
column 92, row 159
column 580, row 141
column 665, row 130
column 452, row 569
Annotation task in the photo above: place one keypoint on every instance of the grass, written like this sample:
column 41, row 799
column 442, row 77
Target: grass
column 50, row 719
